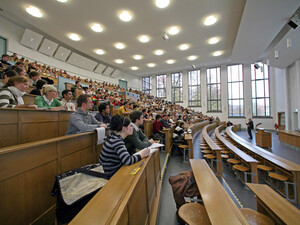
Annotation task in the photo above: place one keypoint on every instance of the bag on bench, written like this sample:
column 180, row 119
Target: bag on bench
column 75, row 188
column 184, row 185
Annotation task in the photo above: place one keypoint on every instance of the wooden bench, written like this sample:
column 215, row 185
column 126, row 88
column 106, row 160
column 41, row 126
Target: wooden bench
column 278, row 164
column 148, row 127
column 214, row 147
column 29, row 98
column 219, row 206
column 273, row 205
column 126, row 199
column 19, row 126
column 242, row 156
column 27, row 175
column 169, row 139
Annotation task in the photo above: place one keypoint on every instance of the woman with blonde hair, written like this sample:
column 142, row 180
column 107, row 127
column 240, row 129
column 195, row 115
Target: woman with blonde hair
column 11, row 94
column 49, row 99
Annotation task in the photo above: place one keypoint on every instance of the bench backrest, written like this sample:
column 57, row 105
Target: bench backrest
column 27, row 175
column 18, row 126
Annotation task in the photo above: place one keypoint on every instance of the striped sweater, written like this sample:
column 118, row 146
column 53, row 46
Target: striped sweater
column 114, row 154
column 7, row 99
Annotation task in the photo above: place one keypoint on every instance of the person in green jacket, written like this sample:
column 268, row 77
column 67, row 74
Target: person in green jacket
column 49, row 99
column 138, row 139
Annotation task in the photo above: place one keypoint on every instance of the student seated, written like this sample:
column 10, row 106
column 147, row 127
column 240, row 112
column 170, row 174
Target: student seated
column 81, row 120
column 34, row 77
column 8, row 74
column 39, row 87
column 114, row 153
column 11, row 94
column 49, row 99
column 103, row 115
column 67, row 100
column 138, row 139
column 157, row 128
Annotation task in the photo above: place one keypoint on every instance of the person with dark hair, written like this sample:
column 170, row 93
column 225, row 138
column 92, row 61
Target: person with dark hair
column 8, row 74
column 20, row 71
column 157, row 125
column 67, row 100
column 138, row 139
column 164, row 121
column 114, row 153
column 77, row 85
column 4, row 61
column 39, row 87
column 103, row 114
column 81, row 120
column 34, row 77
column 124, row 109
column 20, row 64
column 250, row 127
column 11, row 94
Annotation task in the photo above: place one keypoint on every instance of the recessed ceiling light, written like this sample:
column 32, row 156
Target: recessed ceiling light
column 144, row 38
column 213, row 40
column 159, row 52
column 151, row 64
column 192, row 57
column 134, row 68
column 119, row 45
column 119, row 61
column 137, row 57
column 62, row 0
column 74, row 37
column 100, row 51
column 173, row 30
column 125, row 16
column 170, row 61
column 217, row 53
column 210, row 20
column 34, row 11
column 97, row 27
column 162, row 3
column 184, row 47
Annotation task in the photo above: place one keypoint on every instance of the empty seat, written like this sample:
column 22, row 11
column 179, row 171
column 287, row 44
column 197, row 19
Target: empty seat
column 233, row 161
column 194, row 213
column 256, row 218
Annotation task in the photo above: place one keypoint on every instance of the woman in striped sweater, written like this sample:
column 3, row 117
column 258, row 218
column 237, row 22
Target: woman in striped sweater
column 114, row 153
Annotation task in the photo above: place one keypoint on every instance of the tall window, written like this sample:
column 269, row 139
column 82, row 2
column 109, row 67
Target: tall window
column 176, row 87
column 194, row 88
column 235, row 90
column 213, row 89
column 147, row 85
column 260, row 89
column 161, row 86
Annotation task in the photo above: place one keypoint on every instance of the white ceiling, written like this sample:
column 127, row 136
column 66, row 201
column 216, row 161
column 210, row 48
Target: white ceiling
column 247, row 30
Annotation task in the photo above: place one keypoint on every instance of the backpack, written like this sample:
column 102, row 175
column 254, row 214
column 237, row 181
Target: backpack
column 184, row 185
column 75, row 188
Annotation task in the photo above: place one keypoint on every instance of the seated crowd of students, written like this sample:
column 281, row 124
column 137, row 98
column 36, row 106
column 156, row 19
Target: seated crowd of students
column 126, row 135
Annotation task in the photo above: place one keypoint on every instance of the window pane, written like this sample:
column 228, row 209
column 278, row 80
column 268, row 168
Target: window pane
column 260, row 91
column 267, row 88
column 194, row 88
column 261, row 107
column 235, row 90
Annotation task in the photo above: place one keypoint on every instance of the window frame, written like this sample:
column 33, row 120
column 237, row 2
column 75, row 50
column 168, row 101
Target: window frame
column 198, row 87
column 163, row 88
column 219, row 101
column 177, row 88
column 149, row 90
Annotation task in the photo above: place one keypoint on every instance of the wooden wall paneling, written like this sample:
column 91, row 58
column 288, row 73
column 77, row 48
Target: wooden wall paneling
column 157, row 166
column 31, row 116
column 137, row 205
column 64, row 117
column 25, row 158
column 151, row 185
column 124, row 217
column 8, row 127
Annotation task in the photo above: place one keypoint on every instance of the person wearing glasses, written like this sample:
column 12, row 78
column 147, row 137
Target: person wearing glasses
column 114, row 153
column 49, row 99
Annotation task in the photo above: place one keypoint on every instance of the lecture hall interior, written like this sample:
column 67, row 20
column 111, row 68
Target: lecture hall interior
column 213, row 64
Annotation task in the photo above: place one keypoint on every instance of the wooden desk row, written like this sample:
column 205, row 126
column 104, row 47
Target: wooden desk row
column 27, row 175
column 279, row 164
column 290, row 137
column 19, row 126
column 222, row 210
column 246, row 159
column 126, row 199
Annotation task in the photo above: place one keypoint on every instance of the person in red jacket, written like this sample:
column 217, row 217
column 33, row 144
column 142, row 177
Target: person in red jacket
column 157, row 127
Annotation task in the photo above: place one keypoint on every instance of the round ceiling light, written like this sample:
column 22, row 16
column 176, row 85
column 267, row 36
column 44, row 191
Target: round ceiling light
column 34, row 11
column 100, row 51
column 74, row 37
column 137, row 57
column 120, row 45
column 173, row 30
column 210, row 20
column 97, row 27
column 162, row 3
column 125, row 16
column 144, row 38
column 159, row 52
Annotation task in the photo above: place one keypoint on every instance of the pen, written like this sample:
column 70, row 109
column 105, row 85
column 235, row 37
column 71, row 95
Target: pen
column 137, row 169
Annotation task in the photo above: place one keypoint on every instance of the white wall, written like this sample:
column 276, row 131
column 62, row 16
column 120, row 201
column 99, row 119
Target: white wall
column 13, row 33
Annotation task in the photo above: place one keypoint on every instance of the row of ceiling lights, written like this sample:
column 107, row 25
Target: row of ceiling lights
column 127, row 16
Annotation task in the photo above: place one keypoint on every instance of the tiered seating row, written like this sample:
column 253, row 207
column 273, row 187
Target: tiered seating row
column 281, row 170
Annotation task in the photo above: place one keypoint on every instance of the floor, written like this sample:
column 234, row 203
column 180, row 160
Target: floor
column 234, row 187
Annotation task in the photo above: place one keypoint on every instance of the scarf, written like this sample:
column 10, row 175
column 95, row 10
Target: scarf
column 17, row 94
